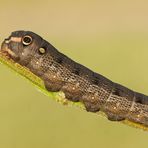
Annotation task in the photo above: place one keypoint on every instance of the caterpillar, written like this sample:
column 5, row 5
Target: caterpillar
column 77, row 82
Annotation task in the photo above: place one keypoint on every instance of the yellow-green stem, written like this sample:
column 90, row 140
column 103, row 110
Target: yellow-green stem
column 58, row 96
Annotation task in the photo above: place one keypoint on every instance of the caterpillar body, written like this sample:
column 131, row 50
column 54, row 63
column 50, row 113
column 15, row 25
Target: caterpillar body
column 78, row 83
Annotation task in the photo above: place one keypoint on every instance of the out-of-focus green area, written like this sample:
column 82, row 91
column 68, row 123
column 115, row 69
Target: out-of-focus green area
column 110, row 37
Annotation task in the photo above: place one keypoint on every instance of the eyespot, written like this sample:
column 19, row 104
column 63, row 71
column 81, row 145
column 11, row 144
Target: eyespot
column 27, row 40
column 42, row 50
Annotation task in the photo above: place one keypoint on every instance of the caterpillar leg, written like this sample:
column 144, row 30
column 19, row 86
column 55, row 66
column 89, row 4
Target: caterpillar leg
column 113, row 117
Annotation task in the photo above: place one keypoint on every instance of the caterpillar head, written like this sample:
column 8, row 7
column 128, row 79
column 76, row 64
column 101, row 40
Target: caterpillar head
column 21, row 46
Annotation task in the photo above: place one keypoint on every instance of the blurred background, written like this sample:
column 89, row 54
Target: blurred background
column 110, row 37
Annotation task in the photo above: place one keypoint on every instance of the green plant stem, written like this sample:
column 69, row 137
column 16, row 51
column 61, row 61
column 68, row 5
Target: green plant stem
column 36, row 81
column 58, row 96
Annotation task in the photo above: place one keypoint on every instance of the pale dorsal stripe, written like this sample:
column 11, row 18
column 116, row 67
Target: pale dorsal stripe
column 16, row 39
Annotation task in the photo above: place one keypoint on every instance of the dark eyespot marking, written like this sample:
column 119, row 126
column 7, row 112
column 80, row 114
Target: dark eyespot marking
column 140, row 98
column 116, row 92
column 76, row 71
column 27, row 40
column 95, row 81
column 59, row 60
column 122, row 91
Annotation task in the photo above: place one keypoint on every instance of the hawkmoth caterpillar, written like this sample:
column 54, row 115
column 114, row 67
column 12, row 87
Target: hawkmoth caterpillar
column 78, row 83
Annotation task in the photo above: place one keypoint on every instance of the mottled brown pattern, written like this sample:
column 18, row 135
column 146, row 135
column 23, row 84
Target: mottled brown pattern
column 79, row 83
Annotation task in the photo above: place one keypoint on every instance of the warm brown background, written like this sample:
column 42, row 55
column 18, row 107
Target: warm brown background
column 110, row 37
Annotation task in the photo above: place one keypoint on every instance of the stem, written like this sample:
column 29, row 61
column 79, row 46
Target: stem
column 58, row 96
column 36, row 81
